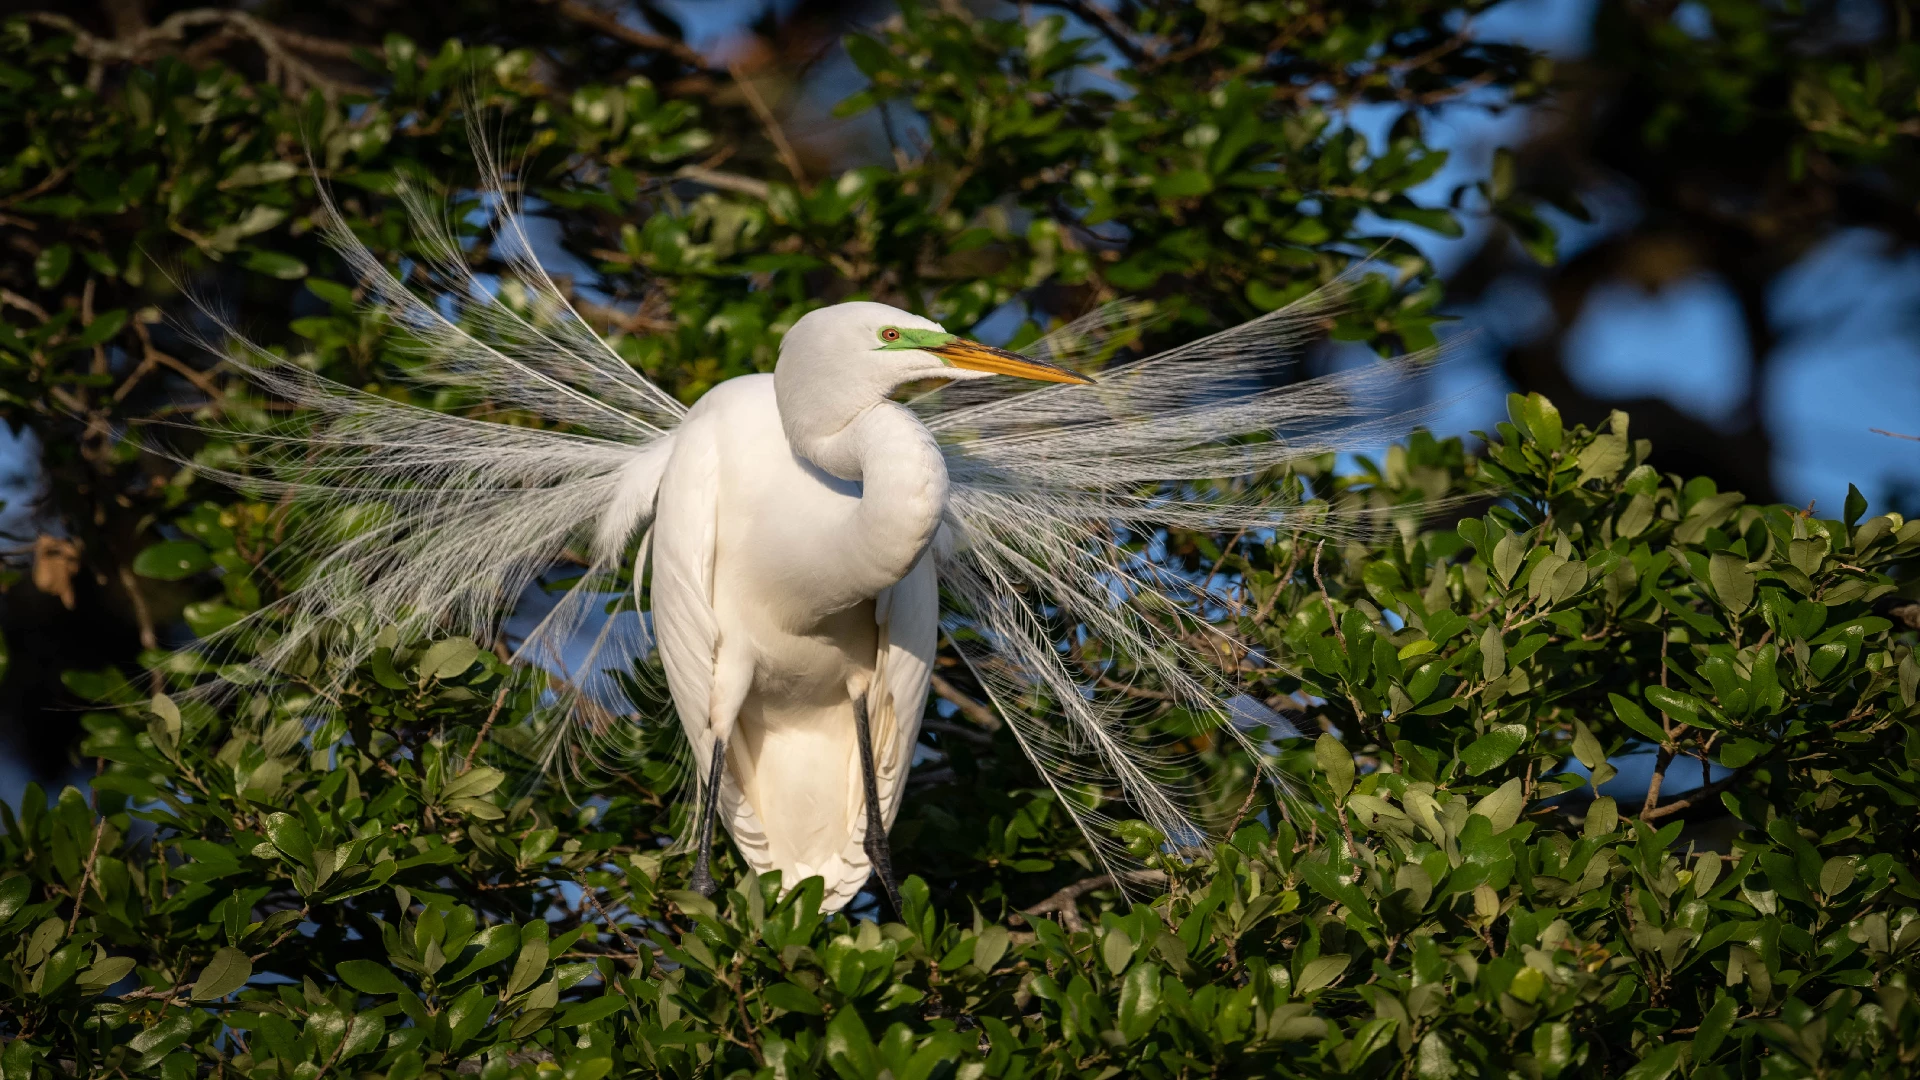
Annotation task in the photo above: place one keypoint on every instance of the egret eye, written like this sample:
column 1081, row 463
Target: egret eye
column 889, row 334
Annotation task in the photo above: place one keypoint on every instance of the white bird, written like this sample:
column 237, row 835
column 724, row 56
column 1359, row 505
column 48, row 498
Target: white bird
column 795, row 605
column 801, row 527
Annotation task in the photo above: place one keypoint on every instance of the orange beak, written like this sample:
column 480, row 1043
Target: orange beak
column 974, row 356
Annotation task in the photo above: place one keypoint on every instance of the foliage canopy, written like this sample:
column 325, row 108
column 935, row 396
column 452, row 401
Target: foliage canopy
column 390, row 892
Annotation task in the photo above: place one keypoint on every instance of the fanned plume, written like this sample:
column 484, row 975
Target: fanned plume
column 435, row 523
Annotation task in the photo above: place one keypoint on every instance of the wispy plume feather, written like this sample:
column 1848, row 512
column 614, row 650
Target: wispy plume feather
column 436, row 524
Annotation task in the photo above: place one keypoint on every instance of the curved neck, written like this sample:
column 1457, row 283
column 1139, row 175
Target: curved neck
column 903, row 492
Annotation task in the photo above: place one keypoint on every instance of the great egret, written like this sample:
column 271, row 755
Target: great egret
column 796, row 610
column 802, row 528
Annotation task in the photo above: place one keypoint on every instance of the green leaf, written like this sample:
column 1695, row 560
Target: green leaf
column 368, row 977
column 1503, row 806
column 1856, row 505
column 1508, row 554
column 1553, row 1047
column 1586, row 748
column 1636, row 718
column 14, row 890
column 1493, row 653
column 51, row 265
column 171, row 560
column 1732, row 581
column 1678, row 704
column 151, row 1043
column 63, row 965
column 1602, row 458
column 1492, row 750
column 1336, row 763
column 447, row 659
column 991, row 946
column 290, row 837
column 275, row 264
column 1117, row 950
column 1320, row 973
column 496, row 944
column 103, row 327
column 1603, row 816
column 1836, row 874
column 586, row 1012
column 848, row 1048
column 475, row 782
column 259, row 172
column 785, row 995
column 468, row 1015
column 1737, row 752
column 1139, row 1000
column 228, row 971
column 1657, row 1065
column 105, row 973
column 533, row 958
column 1183, row 184
column 1434, row 1061
column 1714, row 1027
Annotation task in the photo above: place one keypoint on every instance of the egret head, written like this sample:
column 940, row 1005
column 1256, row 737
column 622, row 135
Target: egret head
column 883, row 347
column 838, row 362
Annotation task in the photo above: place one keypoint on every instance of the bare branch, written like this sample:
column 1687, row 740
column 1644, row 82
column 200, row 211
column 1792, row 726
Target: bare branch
column 587, row 15
column 1690, row 799
column 1107, row 23
column 772, row 124
column 968, row 707
column 1066, row 902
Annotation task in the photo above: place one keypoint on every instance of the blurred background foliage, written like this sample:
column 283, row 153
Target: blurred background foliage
column 705, row 173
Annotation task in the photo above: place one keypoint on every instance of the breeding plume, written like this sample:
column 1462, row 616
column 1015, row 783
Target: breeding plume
column 800, row 530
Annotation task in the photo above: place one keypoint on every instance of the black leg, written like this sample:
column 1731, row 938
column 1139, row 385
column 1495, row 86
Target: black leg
column 702, row 881
column 877, row 850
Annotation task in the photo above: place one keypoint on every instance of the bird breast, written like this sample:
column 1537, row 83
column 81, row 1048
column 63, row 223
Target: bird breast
column 797, row 542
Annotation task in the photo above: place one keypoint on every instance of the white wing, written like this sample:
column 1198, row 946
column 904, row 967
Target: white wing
column 683, row 542
column 434, row 523
column 909, row 617
column 1052, row 491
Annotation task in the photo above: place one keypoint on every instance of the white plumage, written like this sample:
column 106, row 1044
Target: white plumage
column 773, row 613
column 801, row 527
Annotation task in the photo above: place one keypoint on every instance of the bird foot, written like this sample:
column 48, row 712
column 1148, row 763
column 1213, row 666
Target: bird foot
column 702, row 882
column 882, row 861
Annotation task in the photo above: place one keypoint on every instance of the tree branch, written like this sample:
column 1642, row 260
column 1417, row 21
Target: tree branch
column 772, row 125
column 278, row 44
column 1690, row 799
column 1106, row 23
column 1066, row 902
column 968, row 707
column 605, row 23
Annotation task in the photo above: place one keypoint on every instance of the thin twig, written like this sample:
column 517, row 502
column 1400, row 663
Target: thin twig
column 605, row 23
column 275, row 43
column 1065, row 903
column 499, row 699
column 1690, row 799
column 1649, row 808
column 968, row 707
column 767, row 120
column 86, row 879
column 1107, row 23
column 725, row 181
column 346, row 1036
column 1246, row 804
column 588, row 891
column 143, row 619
